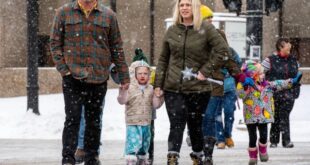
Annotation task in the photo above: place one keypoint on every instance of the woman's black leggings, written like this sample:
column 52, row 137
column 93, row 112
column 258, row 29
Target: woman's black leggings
column 263, row 134
column 185, row 109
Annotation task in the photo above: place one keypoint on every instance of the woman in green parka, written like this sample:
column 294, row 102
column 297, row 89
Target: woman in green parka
column 188, row 43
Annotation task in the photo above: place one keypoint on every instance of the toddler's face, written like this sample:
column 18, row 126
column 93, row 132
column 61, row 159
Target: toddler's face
column 143, row 75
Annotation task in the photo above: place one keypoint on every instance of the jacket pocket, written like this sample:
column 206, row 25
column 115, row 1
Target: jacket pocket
column 73, row 26
column 101, row 30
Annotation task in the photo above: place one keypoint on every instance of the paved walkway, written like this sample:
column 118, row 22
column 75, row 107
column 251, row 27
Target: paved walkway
column 48, row 152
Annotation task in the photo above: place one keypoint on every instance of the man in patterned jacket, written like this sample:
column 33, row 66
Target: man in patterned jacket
column 85, row 39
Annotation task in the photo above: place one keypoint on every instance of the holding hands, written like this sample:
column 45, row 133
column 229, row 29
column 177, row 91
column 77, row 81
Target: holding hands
column 158, row 92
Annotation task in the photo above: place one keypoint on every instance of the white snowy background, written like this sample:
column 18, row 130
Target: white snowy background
column 16, row 123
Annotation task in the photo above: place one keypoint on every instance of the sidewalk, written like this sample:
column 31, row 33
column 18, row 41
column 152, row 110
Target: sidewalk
column 48, row 152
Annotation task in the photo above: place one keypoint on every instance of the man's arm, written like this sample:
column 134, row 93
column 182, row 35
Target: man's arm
column 117, row 52
column 57, row 42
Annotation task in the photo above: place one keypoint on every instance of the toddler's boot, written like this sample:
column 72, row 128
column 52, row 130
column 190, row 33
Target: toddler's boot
column 253, row 156
column 131, row 160
column 142, row 160
column 263, row 155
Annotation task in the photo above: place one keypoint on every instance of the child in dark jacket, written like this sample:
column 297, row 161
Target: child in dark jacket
column 258, row 106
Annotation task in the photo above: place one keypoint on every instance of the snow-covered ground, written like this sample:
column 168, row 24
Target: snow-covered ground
column 16, row 123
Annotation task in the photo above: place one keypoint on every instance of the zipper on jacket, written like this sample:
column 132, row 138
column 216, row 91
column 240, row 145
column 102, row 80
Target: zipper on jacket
column 183, row 65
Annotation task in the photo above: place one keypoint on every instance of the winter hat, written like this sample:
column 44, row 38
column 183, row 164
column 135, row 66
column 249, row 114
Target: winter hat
column 252, row 69
column 139, row 55
column 114, row 73
column 205, row 12
column 136, row 64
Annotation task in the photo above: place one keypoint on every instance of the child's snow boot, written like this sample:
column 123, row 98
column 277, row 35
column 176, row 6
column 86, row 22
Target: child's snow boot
column 263, row 155
column 253, row 156
column 131, row 160
column 197, row 158
column 172, row 158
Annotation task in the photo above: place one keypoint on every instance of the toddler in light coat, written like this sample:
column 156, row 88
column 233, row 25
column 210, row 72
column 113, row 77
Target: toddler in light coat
column 140, row 101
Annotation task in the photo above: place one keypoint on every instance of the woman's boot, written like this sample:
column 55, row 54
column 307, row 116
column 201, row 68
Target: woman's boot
column 197, row 158
column 209, row 143
column 172, row 159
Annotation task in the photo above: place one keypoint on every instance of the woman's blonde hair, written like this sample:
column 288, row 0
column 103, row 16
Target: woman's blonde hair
column 177, row 18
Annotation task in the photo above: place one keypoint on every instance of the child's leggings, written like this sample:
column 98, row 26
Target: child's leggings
column 137, row 139
column 263, row 134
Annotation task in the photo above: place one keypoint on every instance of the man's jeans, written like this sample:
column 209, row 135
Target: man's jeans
column 212, row 122
column 229, row 107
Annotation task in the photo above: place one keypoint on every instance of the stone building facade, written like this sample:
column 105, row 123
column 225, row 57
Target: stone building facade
column 134, row 22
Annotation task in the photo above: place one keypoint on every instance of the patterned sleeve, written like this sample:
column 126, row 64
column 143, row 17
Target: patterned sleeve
column 266, row 64
column 240, row 91
column 278, row 85
column 116, row 48
column 56, row 42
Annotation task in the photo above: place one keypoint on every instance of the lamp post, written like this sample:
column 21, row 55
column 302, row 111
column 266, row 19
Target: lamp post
column 113, row 5
column 32, row 61
column 254, row 29
column 152, row 31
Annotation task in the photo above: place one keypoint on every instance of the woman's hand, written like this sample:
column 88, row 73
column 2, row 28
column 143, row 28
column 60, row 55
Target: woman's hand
column 200, row 76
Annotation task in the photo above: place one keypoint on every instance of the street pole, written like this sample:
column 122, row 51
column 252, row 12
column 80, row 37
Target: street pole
column 254, row 29
column 152, row 31
column 32, row 61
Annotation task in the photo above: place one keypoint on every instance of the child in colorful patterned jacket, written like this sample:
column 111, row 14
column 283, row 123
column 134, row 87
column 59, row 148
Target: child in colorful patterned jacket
column 140, row 101
column 258, row 106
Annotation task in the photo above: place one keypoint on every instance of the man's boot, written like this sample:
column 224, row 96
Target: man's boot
column 209, row 143
column 172, row 159
column 79, row 156
column 229, row 142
